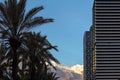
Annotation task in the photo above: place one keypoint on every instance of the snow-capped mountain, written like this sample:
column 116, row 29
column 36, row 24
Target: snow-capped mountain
column 69, row 72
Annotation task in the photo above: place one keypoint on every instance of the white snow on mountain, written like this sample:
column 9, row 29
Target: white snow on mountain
column 69, row 72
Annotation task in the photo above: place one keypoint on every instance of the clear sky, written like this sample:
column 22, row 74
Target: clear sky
column 72, row 18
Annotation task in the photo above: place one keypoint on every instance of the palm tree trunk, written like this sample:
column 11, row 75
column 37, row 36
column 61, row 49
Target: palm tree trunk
column 32, row 72
column 14, row 65
column 32, row 68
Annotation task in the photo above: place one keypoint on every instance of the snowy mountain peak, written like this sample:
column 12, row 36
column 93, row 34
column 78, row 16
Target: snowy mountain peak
column 74, row 72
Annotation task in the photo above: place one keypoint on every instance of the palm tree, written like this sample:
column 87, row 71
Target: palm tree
column 37, row 56
column 14, row 22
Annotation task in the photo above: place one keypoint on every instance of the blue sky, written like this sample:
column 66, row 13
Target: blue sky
column 72, row 18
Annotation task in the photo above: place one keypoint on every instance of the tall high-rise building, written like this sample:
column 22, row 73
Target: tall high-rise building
column 88, row 55
column 102, row 58
column 106, row 56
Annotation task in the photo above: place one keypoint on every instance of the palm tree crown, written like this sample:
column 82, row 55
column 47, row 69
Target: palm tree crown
column 14, row 21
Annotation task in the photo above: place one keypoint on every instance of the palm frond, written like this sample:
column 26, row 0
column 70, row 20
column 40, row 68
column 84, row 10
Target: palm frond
column 21, row 10
column 28, row 17
column 3, row 12
column 32, row 12
column 37, row 21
